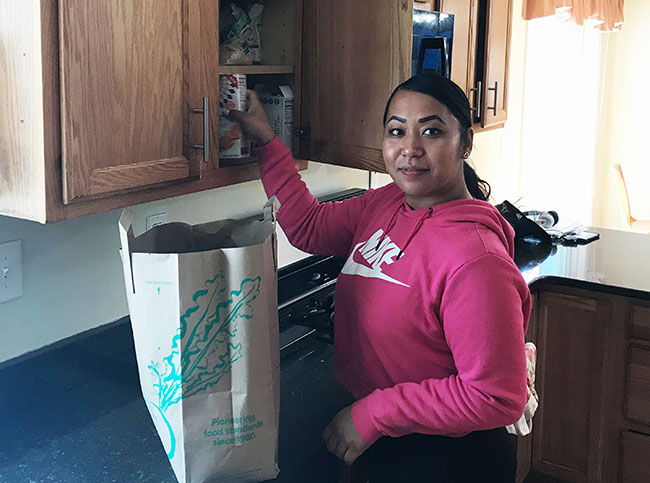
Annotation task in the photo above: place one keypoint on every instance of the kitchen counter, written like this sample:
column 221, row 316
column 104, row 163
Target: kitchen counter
column 75, row 412
column 617, row 263
column 589, row 324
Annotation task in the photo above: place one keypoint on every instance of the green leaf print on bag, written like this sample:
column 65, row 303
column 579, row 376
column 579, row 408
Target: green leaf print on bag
column 208, row 331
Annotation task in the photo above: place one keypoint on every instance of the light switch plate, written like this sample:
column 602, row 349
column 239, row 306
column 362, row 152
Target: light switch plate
column 11, row 270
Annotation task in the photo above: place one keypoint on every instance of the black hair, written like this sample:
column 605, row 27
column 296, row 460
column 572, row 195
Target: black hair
column 453, row 98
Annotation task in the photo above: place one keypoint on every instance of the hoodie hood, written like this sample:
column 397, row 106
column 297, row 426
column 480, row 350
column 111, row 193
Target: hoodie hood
column 457, row 211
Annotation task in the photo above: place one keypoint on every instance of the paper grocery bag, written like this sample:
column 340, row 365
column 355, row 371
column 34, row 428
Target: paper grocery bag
column 204, row 313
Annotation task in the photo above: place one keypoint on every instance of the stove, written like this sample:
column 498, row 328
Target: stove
column 306, row 295
column 306, row 301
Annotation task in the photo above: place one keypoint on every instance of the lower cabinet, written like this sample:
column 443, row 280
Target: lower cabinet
column 636, row 457
column 593, row 380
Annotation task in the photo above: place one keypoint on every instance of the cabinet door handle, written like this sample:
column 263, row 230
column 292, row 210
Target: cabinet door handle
column 205, row 110
column 477, row 100
column 494, row 108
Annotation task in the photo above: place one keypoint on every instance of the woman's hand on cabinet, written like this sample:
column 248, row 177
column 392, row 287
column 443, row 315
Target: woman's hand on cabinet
column 254, row 120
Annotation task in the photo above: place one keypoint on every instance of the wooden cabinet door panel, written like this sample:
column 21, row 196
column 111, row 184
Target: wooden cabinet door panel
column 640, row 323
column 131, row 71
column 496, row 63
column 464, row 45
column 638, row 385
column 354, row 53
column 571, row 348
column 636, row 457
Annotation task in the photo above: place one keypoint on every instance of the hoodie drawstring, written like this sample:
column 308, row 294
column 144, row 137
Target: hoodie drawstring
column 391, row 223
column 414, row 230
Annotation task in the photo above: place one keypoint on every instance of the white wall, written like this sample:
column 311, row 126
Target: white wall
column 72, row 270
column 624, row 117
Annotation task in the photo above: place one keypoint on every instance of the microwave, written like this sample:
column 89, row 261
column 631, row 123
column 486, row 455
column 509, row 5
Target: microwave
column 433, row 34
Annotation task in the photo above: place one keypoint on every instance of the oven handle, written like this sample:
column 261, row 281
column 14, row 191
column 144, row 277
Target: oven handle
column 306, row 294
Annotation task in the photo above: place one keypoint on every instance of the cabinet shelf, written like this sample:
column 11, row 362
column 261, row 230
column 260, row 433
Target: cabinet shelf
column 256, row 69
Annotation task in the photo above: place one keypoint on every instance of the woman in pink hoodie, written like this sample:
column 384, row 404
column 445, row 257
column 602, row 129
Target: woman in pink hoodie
column 430, row 308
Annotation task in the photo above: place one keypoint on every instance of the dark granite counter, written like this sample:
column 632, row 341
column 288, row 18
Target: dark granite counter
column 75, row 413
column 617, row 263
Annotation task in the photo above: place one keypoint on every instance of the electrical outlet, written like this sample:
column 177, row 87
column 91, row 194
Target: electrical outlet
column 11, row 271
column 155, row 220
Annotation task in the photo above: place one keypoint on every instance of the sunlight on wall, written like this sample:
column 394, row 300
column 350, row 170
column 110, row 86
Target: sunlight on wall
column 624, row 124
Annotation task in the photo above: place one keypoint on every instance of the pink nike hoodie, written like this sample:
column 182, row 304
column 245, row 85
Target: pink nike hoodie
column 430, row 308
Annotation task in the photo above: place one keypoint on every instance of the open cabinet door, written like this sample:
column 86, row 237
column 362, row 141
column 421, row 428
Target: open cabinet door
column 354, row 53
column 497, row 50
column 132, row 74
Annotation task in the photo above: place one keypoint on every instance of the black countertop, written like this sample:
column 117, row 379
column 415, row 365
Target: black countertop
column 75, row 412
column 618, row 263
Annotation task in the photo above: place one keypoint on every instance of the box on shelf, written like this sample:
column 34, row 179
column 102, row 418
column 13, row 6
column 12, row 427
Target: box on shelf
column 278, row 105
column 233, row 142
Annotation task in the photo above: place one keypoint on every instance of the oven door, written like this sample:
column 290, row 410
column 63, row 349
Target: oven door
column 310, row 398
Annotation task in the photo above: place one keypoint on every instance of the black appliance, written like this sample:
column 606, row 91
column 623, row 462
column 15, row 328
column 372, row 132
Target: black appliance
column 524, row 227
column 432, row 43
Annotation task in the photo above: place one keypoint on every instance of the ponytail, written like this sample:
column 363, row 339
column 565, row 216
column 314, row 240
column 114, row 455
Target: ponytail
column 477, row 187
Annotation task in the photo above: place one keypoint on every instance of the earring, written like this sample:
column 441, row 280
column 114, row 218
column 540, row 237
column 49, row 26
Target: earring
column 465, row 155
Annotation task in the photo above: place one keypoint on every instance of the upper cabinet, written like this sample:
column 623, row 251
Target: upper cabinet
column 355, row 52
column 480, row 56
column 132, row 75
column 111, row 103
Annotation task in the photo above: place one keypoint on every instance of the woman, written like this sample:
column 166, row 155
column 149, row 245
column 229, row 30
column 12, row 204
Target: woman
column 430, row 308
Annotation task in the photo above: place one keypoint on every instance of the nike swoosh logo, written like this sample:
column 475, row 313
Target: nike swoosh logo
column 354, row 268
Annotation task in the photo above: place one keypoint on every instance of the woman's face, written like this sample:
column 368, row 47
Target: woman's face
column 422, row 150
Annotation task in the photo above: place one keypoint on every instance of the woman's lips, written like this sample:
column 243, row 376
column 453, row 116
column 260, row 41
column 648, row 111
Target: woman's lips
column 412, row 171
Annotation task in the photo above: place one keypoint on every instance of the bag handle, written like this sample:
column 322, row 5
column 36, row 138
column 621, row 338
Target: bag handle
column 270, row 210
column 126, row 235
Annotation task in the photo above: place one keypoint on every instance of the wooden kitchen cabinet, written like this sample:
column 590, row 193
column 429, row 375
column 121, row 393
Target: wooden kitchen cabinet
column 101, row 98
column 571, row 344
column 127, row 93
column 480, row 56
column 636, row 457
column 593, row 380
column 101, row 101
column 356, row 52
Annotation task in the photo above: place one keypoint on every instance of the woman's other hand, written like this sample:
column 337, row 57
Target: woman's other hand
column 254, row 121
column 342, row 438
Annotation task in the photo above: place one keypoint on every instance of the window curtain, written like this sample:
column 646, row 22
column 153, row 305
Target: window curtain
column 605, row 15
column 562, row 93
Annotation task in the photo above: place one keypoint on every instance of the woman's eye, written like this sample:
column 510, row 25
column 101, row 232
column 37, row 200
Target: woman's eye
column 431, row 131
column 395, row 131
